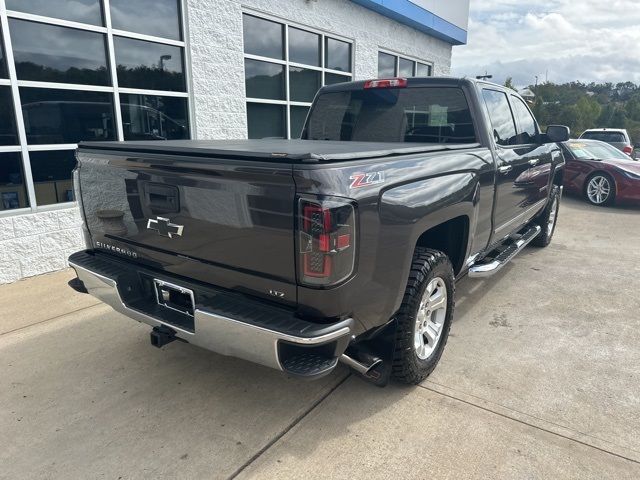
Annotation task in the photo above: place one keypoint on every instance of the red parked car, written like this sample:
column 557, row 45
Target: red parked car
column 600, row 172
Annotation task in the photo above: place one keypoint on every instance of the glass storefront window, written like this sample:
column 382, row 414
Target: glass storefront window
column 49, row 53
column 160, row 18
column 8, row 132
column 148, row 65
column 304, row 47
column 150, row 117
column 83, row 11
column 423, row 70
column 338, row 55
column 304, row 84
column 66, row 116
column 386, row 65
column 390, row 65
column 263, row 37
column 298, row 116
column 264, row 79
column 13, row 191
column 3, row 62
column 52, row 176
column 266, row 120
column 332, row 78
column 405, row 67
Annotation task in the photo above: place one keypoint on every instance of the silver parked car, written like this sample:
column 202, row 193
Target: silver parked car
column 616, row 137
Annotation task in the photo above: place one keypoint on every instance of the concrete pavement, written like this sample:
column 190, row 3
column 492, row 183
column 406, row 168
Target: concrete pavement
column 540, row 379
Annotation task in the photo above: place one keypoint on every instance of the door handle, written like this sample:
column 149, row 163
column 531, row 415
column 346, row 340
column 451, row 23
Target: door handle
column 505, row 168
column 534, row 161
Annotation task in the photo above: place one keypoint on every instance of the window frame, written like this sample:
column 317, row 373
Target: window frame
column 411, row 58
column 513, row 98
column 113, row 89
column 287, row 102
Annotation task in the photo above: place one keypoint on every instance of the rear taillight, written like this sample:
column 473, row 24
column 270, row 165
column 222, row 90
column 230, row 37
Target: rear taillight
column 628, row 150
column 326, row 241
column 386, row 83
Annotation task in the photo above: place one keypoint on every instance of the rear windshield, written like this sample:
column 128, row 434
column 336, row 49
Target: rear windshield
column 424, row 115
column 609, row 137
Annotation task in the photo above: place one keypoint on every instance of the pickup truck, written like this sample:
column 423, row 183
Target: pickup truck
column 341, row 246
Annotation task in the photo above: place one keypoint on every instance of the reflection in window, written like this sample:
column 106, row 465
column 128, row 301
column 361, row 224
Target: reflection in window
column 50, row 53
column 66, row 116
column 8, row 134
column 3, row 62
column 504, row 127
column 386, row 65
column 160, row 18
column 264, row 80
column 265, row 120
column 332, row 78
column 304, row 47
column 405, row 67
column 338, row 55
column 84, row 11
column 52, row 176
column 298, row 116
column 528, row 132
column 423, row 70
column 148, row 65
column 149, row 117
column 263, row 37
column 303, row 84
column 13, row 192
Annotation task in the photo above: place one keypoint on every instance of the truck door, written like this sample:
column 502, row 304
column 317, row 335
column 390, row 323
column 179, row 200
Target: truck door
column 515, row 197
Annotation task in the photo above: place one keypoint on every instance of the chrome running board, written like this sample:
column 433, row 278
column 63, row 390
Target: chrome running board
column 482, row 270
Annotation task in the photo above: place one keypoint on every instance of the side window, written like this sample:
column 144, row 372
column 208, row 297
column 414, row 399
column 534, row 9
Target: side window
column 504, row 127
column 527, row 132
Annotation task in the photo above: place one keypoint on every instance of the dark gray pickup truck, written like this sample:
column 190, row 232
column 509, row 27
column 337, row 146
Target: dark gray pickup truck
column 342, row 246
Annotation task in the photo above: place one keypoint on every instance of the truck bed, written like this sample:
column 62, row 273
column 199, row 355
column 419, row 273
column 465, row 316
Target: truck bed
column 275, row 149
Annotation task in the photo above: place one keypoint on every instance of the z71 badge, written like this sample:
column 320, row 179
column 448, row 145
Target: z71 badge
column 359, row 180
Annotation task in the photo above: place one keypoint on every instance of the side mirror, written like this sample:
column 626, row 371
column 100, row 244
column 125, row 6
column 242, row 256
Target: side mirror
column 557, row 133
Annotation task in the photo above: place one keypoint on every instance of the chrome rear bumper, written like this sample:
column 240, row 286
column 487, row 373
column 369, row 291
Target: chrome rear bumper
column 233, row 337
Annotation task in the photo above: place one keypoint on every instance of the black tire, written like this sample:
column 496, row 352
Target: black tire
column 612, row 189
column 427, row 266
column 544, row 237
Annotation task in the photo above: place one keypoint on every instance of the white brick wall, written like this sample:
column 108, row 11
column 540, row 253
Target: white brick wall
column 38, row 243
column 216, row 44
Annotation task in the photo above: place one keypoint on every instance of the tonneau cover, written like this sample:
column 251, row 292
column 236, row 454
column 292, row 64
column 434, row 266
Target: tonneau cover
column 275, row 149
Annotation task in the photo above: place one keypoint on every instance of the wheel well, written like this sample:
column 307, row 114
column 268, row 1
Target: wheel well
column 450, row 238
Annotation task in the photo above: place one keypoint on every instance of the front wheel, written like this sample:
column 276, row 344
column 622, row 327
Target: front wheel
column 548, row 218
column 425, row 316
column 600, row 189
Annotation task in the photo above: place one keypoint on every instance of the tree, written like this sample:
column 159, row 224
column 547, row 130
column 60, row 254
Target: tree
column 509, row 84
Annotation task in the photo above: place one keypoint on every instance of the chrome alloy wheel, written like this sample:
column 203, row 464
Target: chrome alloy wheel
column 553, row 214
column 599, row 189
column 430, row 318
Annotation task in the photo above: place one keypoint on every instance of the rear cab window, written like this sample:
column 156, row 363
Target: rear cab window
column 609, row 137
column 416, row 114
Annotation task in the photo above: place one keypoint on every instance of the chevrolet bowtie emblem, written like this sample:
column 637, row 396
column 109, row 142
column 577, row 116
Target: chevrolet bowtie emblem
column 164, row 227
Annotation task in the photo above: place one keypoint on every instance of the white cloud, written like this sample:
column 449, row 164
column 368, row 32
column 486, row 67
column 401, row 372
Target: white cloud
column 587, row 40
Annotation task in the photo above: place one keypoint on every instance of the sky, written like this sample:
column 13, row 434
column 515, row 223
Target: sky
column 558, row 40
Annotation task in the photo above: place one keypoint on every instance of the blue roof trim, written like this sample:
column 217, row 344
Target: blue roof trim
column 409, row 13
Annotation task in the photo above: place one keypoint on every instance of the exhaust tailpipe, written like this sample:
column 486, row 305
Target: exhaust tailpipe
column 358, row 366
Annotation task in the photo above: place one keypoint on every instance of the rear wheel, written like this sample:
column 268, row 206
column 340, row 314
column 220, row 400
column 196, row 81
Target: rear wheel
column 600, row 189
column 425, row 316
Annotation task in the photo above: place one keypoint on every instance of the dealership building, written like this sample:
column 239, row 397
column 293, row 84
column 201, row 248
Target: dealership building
column 85, row 70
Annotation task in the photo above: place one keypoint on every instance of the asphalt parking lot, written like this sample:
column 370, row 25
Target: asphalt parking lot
column 540, row 379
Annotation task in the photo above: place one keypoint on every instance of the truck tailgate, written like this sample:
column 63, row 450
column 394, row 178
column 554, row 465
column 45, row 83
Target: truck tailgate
column 225, row 222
